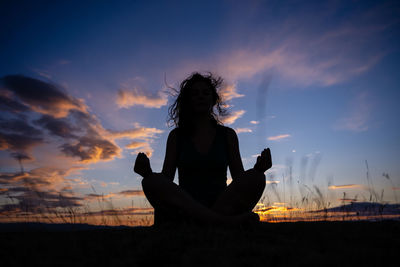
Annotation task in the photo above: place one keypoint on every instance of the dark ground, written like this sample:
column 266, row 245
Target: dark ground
column 281, row 244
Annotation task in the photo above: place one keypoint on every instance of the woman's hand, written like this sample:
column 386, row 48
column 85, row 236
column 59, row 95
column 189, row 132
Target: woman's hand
column 264, row 162
column 142, row 165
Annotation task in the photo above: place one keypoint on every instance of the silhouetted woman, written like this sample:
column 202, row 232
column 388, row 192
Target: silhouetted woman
column 202, row 149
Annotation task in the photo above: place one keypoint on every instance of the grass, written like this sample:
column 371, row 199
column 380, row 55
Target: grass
column 330, row 238
column 312, row 205
column 313, row 202
column 296, row 244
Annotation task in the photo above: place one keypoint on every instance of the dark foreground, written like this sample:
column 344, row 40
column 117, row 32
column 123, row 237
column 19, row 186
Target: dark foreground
column 282, row 244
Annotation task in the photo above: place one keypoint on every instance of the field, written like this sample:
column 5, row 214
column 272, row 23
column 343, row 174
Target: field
column 346, row 243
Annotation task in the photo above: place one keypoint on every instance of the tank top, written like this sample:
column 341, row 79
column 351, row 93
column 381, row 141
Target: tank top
column 203, row 176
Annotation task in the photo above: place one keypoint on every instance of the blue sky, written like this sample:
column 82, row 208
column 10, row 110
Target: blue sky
column 316, row 81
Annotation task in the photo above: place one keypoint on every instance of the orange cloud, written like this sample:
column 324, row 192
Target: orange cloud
column 138, row 133
column 129, row 193
column 229, row 92
column 128, row 98
column 48, row 98
column 140, row 147
column 345, row 186
column 92, row 149
column 91, row 197
column 57, row 122
column 135, row 145
column 279, row 137
column 243, row 130
column 231, row 118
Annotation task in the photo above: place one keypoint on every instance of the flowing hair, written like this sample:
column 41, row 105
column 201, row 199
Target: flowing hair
column 180, row 112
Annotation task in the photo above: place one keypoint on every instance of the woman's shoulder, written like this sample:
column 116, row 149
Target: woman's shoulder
column 230, row 133
column 173, row 133
column 226, row 128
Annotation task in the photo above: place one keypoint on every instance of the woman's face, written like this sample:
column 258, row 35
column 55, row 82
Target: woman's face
column 201, row 97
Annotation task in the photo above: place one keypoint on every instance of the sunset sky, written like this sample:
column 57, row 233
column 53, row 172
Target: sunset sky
column 84, row 88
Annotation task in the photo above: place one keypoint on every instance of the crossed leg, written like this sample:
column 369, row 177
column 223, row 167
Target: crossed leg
column 233, row 206
column 242, row 195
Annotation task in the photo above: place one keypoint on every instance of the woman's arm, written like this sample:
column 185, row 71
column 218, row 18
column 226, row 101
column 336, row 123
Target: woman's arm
column 234, row 159
column 170, row 160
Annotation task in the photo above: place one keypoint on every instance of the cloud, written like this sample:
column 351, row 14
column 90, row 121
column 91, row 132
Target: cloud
column 58, row 127
column 39, row 202
column 43, row 73
column 135, row 145
column 231, row 118
column 229, row 92
column 90, row 149
column 120, row 212
column 64, row 120
column 20, row 146
column 140, row 147
column 294, row 63
column 41, row 97
column 38, row 114
column 279, row 137
column 243, row 130
column 254, row 122
column 357, row 118
column 43, row 177
column 128, row 98
column 93, row 196
column 141, row 133
column 307, row 50
column 82, row 135
column 19, row 137
column 63, row 116
column 39, row 190
column 129, row 193
column 346, row 186
column 7, row 103
column 138, row 133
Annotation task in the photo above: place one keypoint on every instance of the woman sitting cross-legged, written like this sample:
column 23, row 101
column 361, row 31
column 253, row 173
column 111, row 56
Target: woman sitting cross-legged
column 202, row 149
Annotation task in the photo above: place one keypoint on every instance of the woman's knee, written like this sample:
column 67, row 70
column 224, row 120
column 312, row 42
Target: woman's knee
column 154, row 182
column 149, row 181
column 255, row 177
column 145, row 184
column 150, row 186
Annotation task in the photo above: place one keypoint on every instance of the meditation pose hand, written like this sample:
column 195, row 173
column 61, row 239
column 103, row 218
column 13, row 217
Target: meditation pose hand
column 264, row 161
column 142, row 165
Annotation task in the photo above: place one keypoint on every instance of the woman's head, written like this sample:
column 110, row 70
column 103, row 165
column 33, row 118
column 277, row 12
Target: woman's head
column 198, row 95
